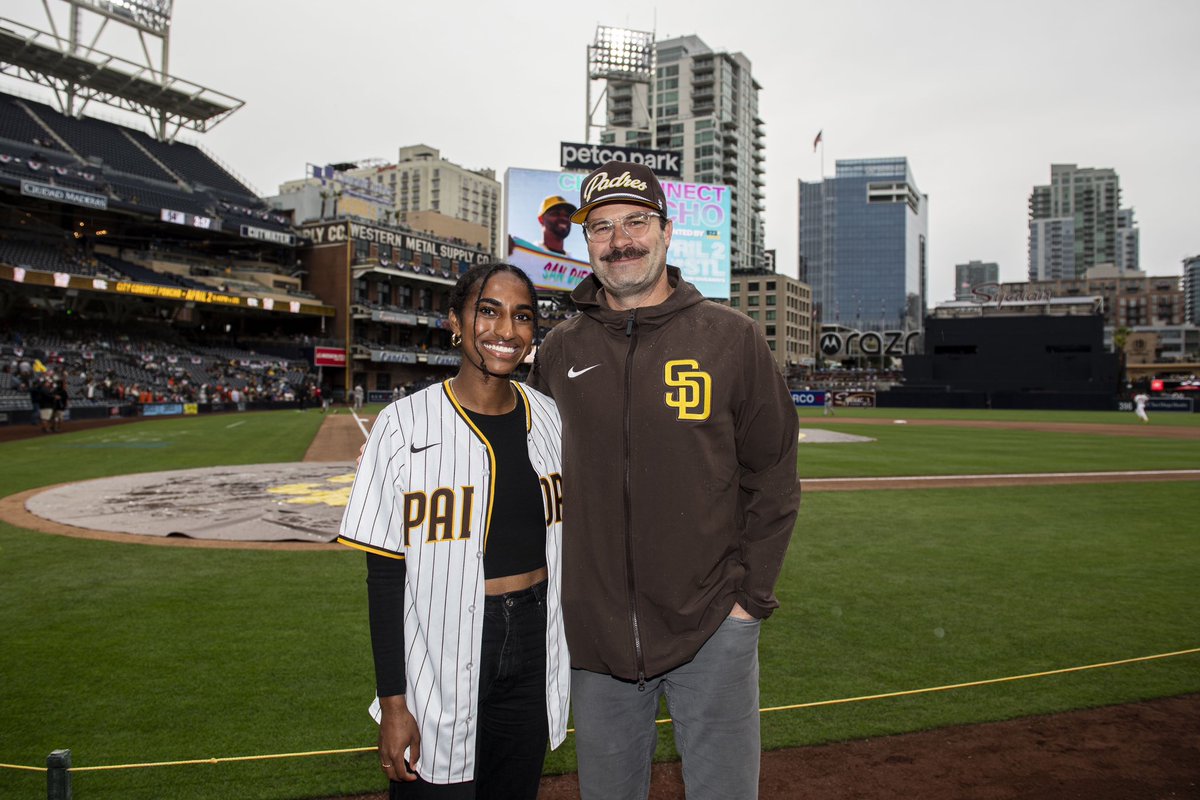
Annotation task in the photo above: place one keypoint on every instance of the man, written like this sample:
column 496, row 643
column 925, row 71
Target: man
column 679, row 467
column 60, row 399
column 1140, row 400
column 555, row 219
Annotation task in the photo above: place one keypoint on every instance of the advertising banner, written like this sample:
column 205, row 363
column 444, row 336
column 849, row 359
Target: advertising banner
column 699, row 244
column 808, row 399
column 586, row 157
column 329, row 357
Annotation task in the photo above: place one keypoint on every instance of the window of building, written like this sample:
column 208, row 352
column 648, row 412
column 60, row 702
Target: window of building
column 770, row 299
column 771, row 314
column 752, row 286
column 752, row 300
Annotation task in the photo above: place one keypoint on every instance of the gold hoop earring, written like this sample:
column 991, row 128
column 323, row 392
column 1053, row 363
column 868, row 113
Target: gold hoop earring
column 455, row 340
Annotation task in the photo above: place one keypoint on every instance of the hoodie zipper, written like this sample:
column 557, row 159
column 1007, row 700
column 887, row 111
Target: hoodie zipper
column 631, row 333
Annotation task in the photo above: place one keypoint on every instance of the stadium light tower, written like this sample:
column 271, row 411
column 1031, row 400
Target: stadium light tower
column 623, row 56
column 79, row 72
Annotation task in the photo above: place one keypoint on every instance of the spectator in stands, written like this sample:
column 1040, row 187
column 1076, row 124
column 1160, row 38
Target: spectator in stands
column 555, row 219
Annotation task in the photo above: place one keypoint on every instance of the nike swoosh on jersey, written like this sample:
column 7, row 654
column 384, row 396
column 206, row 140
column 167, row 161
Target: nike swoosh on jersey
column 575, row 373
column 416, row 449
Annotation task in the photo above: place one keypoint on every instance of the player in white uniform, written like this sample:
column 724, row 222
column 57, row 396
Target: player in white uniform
column 483, row 666
column 1139, row 401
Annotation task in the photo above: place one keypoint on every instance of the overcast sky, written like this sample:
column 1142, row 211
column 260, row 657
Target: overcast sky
column 980, row 97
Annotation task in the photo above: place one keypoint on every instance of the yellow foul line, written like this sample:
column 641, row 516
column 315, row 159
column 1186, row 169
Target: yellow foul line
column 815, row 704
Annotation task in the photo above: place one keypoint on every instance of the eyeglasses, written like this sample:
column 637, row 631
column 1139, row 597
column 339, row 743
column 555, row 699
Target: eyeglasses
column 632, row 225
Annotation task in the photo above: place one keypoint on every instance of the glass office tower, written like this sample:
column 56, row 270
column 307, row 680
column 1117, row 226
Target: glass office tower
column 863, row 245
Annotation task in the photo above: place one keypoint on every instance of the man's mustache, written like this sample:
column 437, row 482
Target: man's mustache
column 633, row 251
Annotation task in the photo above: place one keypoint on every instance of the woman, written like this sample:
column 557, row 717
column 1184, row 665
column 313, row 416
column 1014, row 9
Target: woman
column 458, row 504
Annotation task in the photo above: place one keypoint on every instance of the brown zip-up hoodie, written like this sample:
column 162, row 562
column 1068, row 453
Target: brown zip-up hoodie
column 679, row 475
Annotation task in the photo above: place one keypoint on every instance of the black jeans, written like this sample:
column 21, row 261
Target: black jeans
column 510, row 745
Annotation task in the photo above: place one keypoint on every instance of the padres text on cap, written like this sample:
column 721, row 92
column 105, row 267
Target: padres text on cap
column 620, row 182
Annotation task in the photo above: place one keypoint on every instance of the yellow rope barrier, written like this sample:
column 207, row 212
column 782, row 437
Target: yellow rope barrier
column 815, row 704
column 986, row 682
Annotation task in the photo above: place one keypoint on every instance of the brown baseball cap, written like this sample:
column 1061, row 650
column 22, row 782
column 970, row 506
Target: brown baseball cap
column 620, row 182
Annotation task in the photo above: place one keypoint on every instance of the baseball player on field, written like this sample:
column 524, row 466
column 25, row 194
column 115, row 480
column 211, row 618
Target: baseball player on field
column 458, row 503
column 1140, row 400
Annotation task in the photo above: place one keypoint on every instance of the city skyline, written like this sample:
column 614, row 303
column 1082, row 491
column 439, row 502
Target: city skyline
column 980, row 100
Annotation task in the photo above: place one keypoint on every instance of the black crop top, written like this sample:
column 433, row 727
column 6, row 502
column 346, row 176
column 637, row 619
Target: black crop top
column 516, row 539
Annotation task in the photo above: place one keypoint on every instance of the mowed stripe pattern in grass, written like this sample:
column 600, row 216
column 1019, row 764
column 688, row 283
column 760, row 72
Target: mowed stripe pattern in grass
column 131, row 654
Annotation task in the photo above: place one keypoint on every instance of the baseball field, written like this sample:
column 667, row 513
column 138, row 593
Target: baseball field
column 218, row 672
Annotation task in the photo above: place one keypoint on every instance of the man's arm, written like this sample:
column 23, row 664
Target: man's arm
column 766, row 430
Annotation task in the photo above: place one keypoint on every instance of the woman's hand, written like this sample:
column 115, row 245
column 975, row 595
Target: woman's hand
column 397, row 731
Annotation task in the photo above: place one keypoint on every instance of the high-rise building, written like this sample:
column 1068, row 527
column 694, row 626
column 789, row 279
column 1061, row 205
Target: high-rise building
column 1128, row 255
column 969, row 275
column 1191, row 290
column 705, row 106
column 782, row 307
column 1076, row 223
column 863, row 245
column 441, row 197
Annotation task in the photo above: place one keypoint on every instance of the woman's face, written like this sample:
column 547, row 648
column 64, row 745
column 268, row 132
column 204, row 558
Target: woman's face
column 498, row 327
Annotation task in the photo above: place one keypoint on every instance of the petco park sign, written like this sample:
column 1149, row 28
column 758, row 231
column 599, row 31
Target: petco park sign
column 586, row 157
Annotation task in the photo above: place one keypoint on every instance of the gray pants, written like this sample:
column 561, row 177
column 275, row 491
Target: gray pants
column 713, row 703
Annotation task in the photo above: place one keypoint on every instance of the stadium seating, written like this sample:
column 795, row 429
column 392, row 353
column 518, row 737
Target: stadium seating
column 188, row 160
column 47, row 257
column 140, row 171
column 121, row 367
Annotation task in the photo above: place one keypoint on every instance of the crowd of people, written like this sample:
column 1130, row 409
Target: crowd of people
column 90, row 369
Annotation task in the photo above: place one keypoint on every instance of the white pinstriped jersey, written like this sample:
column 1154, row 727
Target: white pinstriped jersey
column 423, row 492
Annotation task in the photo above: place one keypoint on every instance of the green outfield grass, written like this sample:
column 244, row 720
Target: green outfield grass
column 1166, row 419
column 929, row 450
column 131, row 654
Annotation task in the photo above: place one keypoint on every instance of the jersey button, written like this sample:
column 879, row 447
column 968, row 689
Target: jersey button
column 471, row 609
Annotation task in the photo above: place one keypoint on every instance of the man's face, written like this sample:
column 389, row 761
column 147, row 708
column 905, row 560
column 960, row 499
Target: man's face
column 557, row 220
column 627, row 266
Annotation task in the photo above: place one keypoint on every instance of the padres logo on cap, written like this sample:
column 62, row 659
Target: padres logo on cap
column 600, row 182
column 620, row 182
